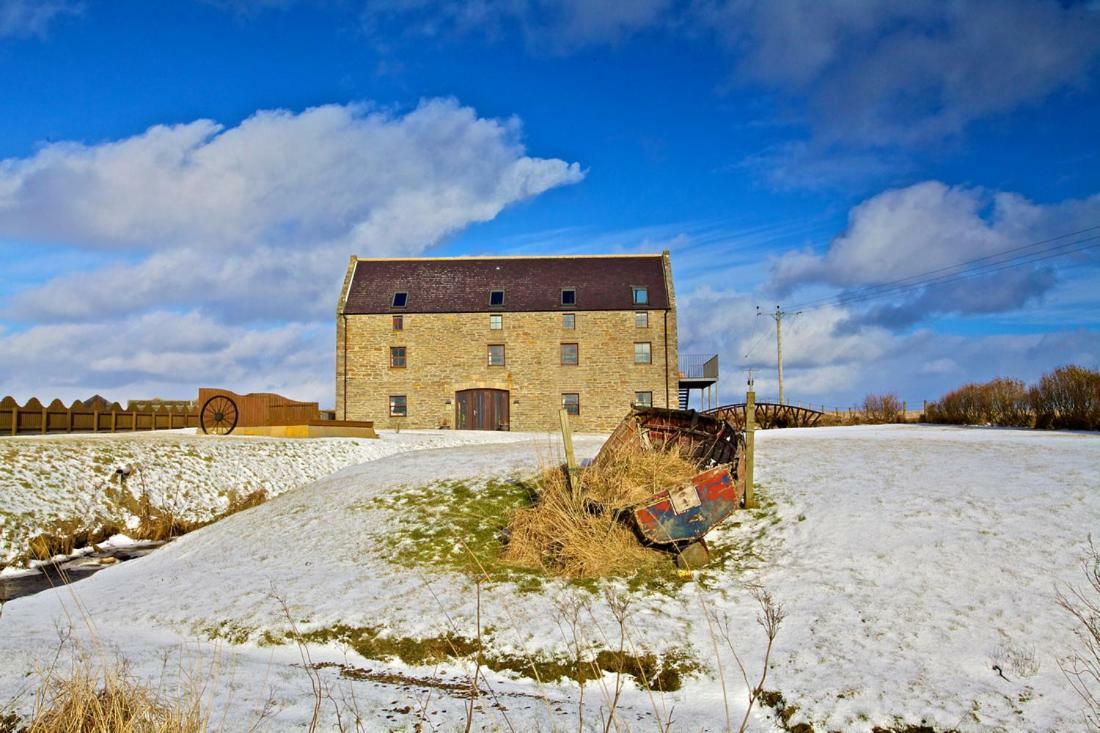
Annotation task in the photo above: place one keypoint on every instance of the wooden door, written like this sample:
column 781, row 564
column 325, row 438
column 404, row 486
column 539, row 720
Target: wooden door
column 481, row 409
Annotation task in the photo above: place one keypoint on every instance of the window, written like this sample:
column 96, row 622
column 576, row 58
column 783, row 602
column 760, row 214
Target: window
column 571, row 403
column 496, row 354
column 400, row 299
column 570, row 354
column 397, row 357
column 643, row 399
column 496, row 321
column 496, row 297
column 399, row 323
column 568, row 296
column 641, row 296
column 568, row 321
column 399, row 406
column 643, row 353
column 641, row 320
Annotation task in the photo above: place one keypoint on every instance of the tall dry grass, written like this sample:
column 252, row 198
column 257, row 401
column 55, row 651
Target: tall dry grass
column 631, row 474
column 561, row 535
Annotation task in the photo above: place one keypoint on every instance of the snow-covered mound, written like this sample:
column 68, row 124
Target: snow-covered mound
column 909, row 560
column 60, row 479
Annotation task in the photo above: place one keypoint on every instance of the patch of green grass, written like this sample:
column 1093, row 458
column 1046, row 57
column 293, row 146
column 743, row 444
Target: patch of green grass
column 666, row 672
column 458, row 526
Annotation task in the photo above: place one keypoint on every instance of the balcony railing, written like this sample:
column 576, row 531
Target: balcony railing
column 699, row 366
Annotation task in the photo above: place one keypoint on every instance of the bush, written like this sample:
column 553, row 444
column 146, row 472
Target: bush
column 881, row 408
column 1001, row 402
column 1068, row 397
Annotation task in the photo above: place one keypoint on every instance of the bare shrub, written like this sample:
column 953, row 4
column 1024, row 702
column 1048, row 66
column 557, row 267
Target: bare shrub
column 1068, row 397
column 770, row 617
column 1082, row 666
column 881, row 408
column 1000, row 401
column 1006, row 402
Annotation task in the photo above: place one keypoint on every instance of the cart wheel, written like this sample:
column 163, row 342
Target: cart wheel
column 692, row 556
column 218, row 416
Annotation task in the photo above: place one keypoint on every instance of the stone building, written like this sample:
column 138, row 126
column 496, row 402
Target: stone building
column 505, row 342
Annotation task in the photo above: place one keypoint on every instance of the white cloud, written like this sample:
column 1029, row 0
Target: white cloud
column 32, row 17
column 258, row 220
column 931, row 226
column 168, row 355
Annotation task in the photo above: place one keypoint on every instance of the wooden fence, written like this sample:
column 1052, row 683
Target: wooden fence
column 96, row 416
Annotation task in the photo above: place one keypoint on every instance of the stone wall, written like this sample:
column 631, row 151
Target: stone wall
column 448, row 352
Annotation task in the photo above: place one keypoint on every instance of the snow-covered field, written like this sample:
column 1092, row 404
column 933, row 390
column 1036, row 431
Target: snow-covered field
column 48, row 480
column 909, row 559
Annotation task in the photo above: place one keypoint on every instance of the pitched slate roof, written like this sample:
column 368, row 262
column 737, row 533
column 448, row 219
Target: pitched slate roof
column 462, row 284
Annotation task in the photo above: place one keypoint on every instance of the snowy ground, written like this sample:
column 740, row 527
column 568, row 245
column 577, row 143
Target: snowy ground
column 49, row 480
column 909, row 559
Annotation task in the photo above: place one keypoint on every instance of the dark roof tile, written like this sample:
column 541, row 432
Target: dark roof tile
column 462, row 285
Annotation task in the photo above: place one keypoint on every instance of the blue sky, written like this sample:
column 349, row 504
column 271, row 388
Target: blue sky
column 181, row 183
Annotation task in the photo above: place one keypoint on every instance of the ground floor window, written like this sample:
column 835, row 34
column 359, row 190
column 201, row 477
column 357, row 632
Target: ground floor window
column 571, row 402
column 399, row 406
column 643, row 399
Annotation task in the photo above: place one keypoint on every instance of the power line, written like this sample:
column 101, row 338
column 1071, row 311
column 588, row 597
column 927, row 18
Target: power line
column 858, row 298
column 931, row 277
column 978, row 259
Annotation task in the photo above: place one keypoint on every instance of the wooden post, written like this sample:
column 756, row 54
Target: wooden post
column 133, row 420
column 14, row 420
column 95, row 421
column 570, row 457
column 750, row 447
column 69, row 420
column 114, row 421
column 45, row 419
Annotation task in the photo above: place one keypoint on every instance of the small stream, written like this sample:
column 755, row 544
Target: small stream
column 52, row 575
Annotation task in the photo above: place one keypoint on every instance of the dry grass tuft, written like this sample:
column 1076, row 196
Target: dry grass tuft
column 631, row 474
column 86, row 701
column 564, row 535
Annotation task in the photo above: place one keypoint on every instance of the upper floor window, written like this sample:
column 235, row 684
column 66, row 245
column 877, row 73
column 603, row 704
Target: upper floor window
column 496, row 354
column 641, row 319
column 400, row 299
column 397, row 357
column 643, row 353
column 496, row 321
column 643, row 399
column 399, row 323
column 496, row 297
column 571, row 402
column 641, row 296
column 568, row 321
column 570, row 354
column 568, row 296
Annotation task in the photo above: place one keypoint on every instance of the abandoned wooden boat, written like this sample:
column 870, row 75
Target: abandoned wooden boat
column 678, row 517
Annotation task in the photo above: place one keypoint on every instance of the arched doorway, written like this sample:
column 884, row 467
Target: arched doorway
column 481, row 409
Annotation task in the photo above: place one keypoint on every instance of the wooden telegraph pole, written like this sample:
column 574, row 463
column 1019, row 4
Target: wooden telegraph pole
column 750, row 443
column 778, row 316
